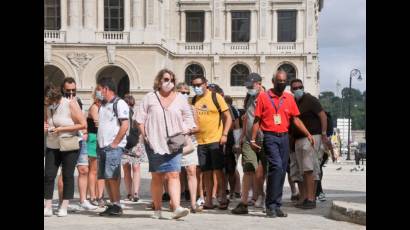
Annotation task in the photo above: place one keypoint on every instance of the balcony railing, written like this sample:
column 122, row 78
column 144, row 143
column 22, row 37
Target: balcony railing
column 286, row 48
column 54, row 36
column 193, row 48
column 112, row 37
column 240, row 47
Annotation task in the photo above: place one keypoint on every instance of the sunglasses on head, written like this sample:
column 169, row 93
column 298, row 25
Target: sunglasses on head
column 296, row 88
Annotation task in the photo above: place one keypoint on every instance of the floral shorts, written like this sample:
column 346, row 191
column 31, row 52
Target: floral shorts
column 136, row 156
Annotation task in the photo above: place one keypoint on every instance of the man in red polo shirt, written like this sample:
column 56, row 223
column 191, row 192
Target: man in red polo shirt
column 273, row 113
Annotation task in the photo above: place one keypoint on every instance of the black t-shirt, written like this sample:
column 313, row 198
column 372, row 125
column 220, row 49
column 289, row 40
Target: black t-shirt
column 309, row 107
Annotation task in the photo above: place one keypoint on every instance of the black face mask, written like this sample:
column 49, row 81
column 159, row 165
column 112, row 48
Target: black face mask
column 280, row 87
column 69, row 94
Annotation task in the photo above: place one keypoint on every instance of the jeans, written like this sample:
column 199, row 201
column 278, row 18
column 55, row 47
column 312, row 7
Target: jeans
column 55, row 158
column 277, row 155
column 109, row 162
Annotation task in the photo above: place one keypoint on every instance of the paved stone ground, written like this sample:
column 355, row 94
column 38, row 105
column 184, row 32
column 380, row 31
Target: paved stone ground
column 341, row 185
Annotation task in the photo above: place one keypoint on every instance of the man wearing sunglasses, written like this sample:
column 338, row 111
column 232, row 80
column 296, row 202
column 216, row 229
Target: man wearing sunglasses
column 307, row 156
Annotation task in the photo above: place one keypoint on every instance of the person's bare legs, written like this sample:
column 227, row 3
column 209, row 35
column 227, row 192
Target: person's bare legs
column 259, row 180
column 113, row 186
column 309, row 183
column 215, row 191
column 200, row 189
column 292, row 185
column 247, row 178
column 192, row 183
column 136, row 178
column 182, row 179
column 237, row 186
column 100, row 188
column 92, row 177
column 127, row 179
column 174, row 189
column 157, row 190
column 208, row 182
column 82, row 181
column 221, row 184
column 302, row 192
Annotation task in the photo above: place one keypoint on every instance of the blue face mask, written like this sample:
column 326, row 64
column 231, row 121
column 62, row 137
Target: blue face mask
column 298, row 94
column 252, row 92
column 99, row 96
column 198, row 91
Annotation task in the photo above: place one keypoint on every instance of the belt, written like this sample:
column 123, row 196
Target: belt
column 275, row 133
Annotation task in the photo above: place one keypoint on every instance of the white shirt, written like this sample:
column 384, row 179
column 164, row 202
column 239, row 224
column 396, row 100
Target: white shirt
column 108, row 125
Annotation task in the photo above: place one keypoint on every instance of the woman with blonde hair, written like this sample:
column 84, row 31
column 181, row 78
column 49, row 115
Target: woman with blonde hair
column 164, row 117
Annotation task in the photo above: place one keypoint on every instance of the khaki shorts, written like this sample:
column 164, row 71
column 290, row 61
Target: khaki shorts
column 250, row 159
column 307, row 157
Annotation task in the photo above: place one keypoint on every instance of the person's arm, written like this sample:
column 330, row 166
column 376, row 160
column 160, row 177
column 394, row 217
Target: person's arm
column 94, row 114
column 299, row 124
column 195, row 114
column 323, row 123
column 227, row 126
column 255, row 128
column 121, row 133
column 78, row 118
column 244, row 128
column 187, row 118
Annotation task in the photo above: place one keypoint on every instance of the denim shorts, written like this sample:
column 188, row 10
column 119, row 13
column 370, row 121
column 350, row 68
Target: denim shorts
column 163, row 163
column 83, row 156
column 109, row 162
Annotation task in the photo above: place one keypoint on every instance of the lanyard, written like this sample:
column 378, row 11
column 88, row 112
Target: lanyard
column 273, row 103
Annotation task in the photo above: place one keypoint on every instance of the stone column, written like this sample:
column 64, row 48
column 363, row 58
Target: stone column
column 274, row 26
column 183, row 26
column 90, row 14
column 254, row 26
column 127, row 16
column 74, row 14
column 228, row 28
column 63, row 12
column 100, row 13
column 299, row 26
column 137, row 19
column 207, row 29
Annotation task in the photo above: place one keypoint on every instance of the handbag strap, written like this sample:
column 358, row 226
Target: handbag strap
column 163, row 110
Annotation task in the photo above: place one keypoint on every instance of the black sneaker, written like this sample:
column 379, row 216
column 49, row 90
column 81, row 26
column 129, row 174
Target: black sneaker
column 240, row 209
column 308, row 204
column 165, row 197
column 270, row 213
column 107, row 211
column 115, row 210
column 280, row 213
column 237, row 195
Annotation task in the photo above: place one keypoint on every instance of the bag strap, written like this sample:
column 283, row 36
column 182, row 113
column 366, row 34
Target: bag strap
column 215, row 100
column 115, row 108
column 163, row 110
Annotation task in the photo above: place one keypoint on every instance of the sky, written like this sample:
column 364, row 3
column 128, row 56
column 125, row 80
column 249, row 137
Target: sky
column 342, row 43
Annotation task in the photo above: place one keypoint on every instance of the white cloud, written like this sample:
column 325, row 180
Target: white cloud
column 342, row 43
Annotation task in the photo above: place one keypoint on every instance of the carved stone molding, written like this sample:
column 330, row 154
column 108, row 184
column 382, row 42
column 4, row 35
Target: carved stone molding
column 111, row 54
column 47, row 53
column 79, row 60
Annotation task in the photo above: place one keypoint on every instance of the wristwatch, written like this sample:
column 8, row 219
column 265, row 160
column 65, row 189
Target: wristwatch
column 253, row 141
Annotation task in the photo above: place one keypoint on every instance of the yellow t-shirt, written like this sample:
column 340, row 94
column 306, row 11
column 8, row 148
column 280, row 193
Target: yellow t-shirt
column 208, row 118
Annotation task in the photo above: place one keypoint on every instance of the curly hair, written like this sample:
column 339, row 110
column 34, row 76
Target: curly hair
column 158, row 78
column 52, row 93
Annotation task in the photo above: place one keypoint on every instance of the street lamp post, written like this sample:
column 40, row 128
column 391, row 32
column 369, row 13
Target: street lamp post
column 354, row 73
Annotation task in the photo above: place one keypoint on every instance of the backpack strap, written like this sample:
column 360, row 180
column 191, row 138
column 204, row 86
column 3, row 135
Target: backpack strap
column 194, row 100
column 218, row 107
column 115, row 109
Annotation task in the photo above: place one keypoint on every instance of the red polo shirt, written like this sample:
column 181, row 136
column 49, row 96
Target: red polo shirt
column 265, row 111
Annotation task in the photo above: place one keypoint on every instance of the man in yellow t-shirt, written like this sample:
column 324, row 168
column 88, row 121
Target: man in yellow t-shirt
column 212, row 135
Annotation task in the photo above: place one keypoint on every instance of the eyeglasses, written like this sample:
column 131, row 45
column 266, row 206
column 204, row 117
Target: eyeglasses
column 296, row 88
column 167, row 79
column 70, row 90
column 197, row 85
column 187, row 93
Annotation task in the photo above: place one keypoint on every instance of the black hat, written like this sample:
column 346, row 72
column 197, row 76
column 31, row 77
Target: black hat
column 251, row 78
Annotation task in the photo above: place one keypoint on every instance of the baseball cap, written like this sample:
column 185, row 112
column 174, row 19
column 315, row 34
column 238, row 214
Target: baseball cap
column 251, row 78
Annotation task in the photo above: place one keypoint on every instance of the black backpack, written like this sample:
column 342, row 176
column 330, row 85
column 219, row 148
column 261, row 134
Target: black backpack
column 329, row 131
column 132, row 137
column 215, row 103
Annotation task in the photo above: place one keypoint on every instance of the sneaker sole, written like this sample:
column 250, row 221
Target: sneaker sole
column 182, row 214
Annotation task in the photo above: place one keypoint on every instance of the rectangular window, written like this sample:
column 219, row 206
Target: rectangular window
column 52, row 15
column 287, row 25
column 195, row 26
column 240, row 26
column 113, row 15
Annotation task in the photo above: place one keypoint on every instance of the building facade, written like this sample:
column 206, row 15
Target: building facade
column 131, row 40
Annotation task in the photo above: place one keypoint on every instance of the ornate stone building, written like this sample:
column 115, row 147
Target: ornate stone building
column 131, row 40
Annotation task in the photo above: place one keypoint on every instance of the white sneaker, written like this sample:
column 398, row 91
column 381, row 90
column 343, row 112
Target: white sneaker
column 200, row 201
column 180, row 212
column 74, row 208
column 157, row 215
column 62, row 212
column 48, row 212
column 259, row 202
column 87, row 206
column 322, row 197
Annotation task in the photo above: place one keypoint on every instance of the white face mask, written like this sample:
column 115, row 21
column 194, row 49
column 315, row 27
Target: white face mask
column 167, row 86
column 186, row 96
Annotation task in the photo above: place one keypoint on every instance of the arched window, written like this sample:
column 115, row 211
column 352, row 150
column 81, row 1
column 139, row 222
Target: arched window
column 52, row 19
column 238, row 75
column 113, row 15
column 290, row 70
column 191, row 71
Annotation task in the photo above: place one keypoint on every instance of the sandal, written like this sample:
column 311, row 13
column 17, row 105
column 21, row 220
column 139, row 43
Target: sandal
column 224, row 206
column 212, row 207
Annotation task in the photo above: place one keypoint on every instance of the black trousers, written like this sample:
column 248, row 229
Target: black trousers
column 319, row 188
column 68, row 161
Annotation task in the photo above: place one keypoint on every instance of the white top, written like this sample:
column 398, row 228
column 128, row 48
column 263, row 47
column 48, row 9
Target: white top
column 108, row 125
column 179, row 119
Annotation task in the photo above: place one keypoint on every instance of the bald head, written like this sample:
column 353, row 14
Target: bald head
column 279, row 81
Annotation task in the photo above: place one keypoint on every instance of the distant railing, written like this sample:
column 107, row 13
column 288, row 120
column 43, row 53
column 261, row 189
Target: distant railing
column 54, row 36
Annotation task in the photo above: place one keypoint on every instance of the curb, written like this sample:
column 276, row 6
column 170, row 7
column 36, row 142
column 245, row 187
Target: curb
column 347, row 211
